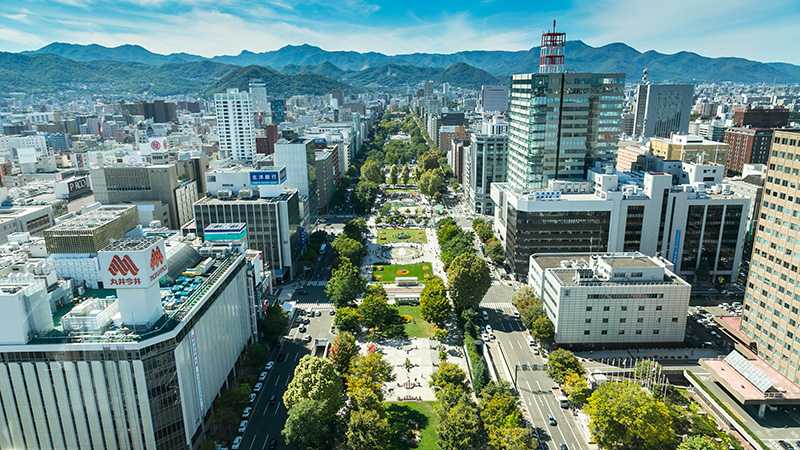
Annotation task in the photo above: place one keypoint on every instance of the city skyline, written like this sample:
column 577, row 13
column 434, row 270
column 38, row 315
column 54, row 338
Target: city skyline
column 431, row 27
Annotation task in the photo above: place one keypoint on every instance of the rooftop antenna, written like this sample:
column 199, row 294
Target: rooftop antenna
column 551, row 57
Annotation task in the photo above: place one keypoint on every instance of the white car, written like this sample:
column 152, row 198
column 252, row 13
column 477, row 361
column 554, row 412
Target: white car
column 252, row 397
column 269, row 365
column 531, row 341
column 486, row 337
column 258, row 386
column 489, row 329
column 242, row 426
column 262, row 376
column 236, row 443
column 246, row 412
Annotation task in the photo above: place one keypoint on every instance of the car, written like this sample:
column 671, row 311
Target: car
column 486, row 337
column 272, row 399
column 785, row 445
column 531, row 341
column 246, row 412
column 332, row 312
column 302, row 329
column 563, row 447
column 552, row 420
column 269, row 365
column 485, row 315
column 262, row 376
column 489, row 329
column 252, row 397
column 319, row 313
column 242, row 426
column 307, row 338
column 273, row 444
column 258, row 386
column 516, row 315
column 236, row 443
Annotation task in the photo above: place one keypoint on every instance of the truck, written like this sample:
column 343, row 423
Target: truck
column 561, row 398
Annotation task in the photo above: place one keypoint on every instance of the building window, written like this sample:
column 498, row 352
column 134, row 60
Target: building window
column 605, row 319
column 623, row 320
column 621, row 332
column 585, row 332
column 655, row 331
column 624, row 308
column 588, row 308
column 674, row 320
column 588, row 320
column 638, row 331
column 658, row 308
column 606, row 308
column 604, row 332
column 641, row 308
column 640, row 320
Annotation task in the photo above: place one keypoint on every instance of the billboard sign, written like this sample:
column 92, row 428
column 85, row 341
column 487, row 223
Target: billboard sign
column 77, row 185
column 267, row 177
column 132, row 269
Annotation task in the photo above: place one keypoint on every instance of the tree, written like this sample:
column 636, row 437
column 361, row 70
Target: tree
column 345, row 284
column 367, row 429
column 343, row 349
column 376, row 313
column 468, row 279
column 372, row 171
column 308, row 427
column 315, row 379
column 542, row 329
column 460, row 427
column 699, row 443
column 365, row 194
column 448, row 374
column 355, row 229
column 460, row 244
column 349, row 248
column 371, row 368
column 433, row 302
column 576, row 389
column 483, row 229
column 431, row 183
column 623, row 415
column 509, row 438
column 274, row 324
column 499, row 406
column 562, row 362
column 494, row 250
column 348, row 320
column 429, row 160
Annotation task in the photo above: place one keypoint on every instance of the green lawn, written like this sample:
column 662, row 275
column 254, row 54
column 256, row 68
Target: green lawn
column 405, row 417
column 401, row 235
column 388, row 273
column 417, row 326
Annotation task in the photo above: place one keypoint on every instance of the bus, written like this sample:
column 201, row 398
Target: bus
column 562, row 399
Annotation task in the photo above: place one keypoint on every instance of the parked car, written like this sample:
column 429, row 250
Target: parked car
column 252, row 397
column 489, row 329
column 236, row 443
column 242, row 426
column 262, row 376
column 246, row 413
column 302, row 329
column 307, row 338
column 269, row 365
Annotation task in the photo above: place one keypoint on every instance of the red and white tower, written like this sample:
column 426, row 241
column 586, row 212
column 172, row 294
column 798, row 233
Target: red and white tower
column 551, row 59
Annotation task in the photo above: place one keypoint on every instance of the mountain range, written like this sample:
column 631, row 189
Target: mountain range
column 306, row 69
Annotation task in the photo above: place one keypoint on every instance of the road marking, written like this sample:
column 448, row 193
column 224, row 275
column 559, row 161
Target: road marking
column 541, row 413
column 546, row 403
column 266, row 439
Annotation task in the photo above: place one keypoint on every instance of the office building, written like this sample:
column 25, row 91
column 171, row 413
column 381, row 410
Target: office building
column 237, row 138
column 688, row 148
column 628, row 155
column 176, row 185
column 145, row 380
column 747, row 146
column 273, row 220
column 611, row 299
column 485, row 162
column 662, row 109
column 277, row 108
column 326, row 168
column 561, row 124
column 299, row 157
column 688, row 217
column 761, row 117
column 158, row 111
column 73, row 243
column 713, row 130
column 24, row 219
column 455, row 158
column 772, row 296
column 258, row 96
column 493, row 99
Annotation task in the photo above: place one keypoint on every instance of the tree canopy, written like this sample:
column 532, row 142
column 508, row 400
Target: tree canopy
column 349, row 248
column 315, row 379
column 308, row 426
column 433, row 302
column 468, row 279
column 562, row 362
column 345, row 284
column 342, row 350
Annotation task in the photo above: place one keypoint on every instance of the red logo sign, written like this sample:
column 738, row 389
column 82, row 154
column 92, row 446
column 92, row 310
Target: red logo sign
column 156, row 258
column 122, row 266
column 155, row 145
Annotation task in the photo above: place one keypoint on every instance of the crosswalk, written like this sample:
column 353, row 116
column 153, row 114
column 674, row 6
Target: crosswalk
column 501, row 305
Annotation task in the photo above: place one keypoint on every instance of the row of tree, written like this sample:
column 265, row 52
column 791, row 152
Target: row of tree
column 531, row 311
column 492, row 248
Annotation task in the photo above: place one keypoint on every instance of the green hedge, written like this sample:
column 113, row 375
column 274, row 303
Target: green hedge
column 480, row 373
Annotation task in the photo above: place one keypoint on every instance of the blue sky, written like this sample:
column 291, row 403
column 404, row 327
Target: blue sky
column 755, row 29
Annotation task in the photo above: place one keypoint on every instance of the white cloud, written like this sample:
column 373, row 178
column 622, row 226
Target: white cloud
column 23, row 15
column 19, row 38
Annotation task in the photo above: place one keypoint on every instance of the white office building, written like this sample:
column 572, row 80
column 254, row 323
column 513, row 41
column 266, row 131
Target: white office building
column 662, row 109
column 494, row 98
column 99, row 380
column 485, row 162
column 237, row 138
column 258, row 96
column 615, row 299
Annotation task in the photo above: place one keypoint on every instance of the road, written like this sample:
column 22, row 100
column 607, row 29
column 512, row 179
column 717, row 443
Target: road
column 268, row 417
column 532, row 382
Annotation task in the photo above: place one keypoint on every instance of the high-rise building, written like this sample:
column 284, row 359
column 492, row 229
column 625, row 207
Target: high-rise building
column 258, row 96
column 485, row 162
column 494, row 98
column 277, row 108
column 761, row 117
column 299, row 157
column 237, row 137
column 747, row 146
column 561, row 124
column 772, row 296
column 662, row 109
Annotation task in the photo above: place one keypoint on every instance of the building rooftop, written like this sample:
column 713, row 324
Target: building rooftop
column 607, row 269
column 130, row 244
column 92, row 219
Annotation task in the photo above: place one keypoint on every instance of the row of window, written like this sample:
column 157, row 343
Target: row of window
column 620, row 332
column 625, row 307
column 625, row 320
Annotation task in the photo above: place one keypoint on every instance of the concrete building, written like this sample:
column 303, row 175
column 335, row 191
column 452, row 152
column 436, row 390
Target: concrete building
column 688, row 148
column 493, row 98
column 299, row 157
column 611, row 299
column 258, row 96
column 273, row 220
column 237, row 137
column 691, row 218
column 560, row 124
column 73, row 243
column 628, row 155
column 326, row 168
column 761, row 117
column 747, row 146
column 19, row 219
column 92, row 382
column 662, row 109
column 455, row 158
column 772, row 304
column 177, row 185
column 485, row 162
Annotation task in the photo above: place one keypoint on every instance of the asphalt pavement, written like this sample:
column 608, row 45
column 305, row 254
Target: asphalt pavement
column 515, row 360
